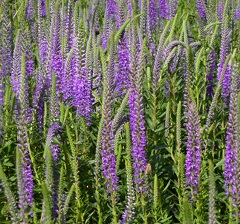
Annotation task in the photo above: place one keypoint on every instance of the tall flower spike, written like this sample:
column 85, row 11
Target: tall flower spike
column 42, row 39
column 107, row 28
column 224, row 41
column 111, row 9
column 5, row 55
column 54, row 104
column 82, row 74
column 238, row 11
column 56, row 58
column 30, row 15
column 220, row 11
column 225, row 45
column 152, row 14
column 232, row 139
column 193, row 157
column 137, row 123
column 53, row 147
column 212, row 195
column 143, row 20
column 43, row 8
column 25, row 176
column 16, row 70
column 38, row 98
column 108, row 157
column 164, row 10
column 151, row 25
column 129, row 213
column 120, row 13
column 173, row 7
column 122, row 76
column 5, row 41
column 201, row 9
column 210, row 75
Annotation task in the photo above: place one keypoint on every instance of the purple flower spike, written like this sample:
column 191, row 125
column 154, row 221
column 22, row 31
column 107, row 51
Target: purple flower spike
column 25, row 185
column 210, row 76
column 122, row 76
column 111, row 8
column 193, row 157
column 226, row 84
column 238, row 11
column 232, row 143
column 201, row 9
column 164, row 9
column 108, row 158
column 43, row 8
column 53, row 147
column 153, row 15
column 220, row 11
column 137, row 126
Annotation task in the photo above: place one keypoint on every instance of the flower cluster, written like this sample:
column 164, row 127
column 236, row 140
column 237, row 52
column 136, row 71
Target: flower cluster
column 232, row 142
column 201, row 9
column 193, row 157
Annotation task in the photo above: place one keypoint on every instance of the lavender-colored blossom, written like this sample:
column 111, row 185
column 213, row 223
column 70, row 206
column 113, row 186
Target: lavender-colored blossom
column 42, row 38
column 28, row 50
column 24, row 174
column 167, row 87
column 16, row 69
column 130, row 8
column 151, row 26
column 111, row 9
column 137, row 122
column 164, row 9
column 5, row 49
column 5, row 42
column 107, row 29
column 238, row 11
column 137, row 127
column 210, row 75
column 38, row 98
column 193, row 157
column 201, row 9
column 83, row 97
column 43, row 8
column 53, row 147
column 57, row 60
column 129, row 213
column 232, row 143
column 153, row 14
column 173, row 7
column 120, row 18
column 108, row 157
column 30, row 11
column 220, row 11
column 223, row 55
column 30, row 14
column 226, row 84
column 1, row 94
column 109, row 18
column 25, row 182
column 122, row 76
column 78, row 82
column 67, row 28
column 43, row 49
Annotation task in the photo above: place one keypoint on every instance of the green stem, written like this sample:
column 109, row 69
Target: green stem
column 230, row 211
column 143, row 202
column 114, row 208
column 100, row 218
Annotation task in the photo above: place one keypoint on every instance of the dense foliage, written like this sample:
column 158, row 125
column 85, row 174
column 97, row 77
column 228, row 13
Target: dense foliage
column 119, row 111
